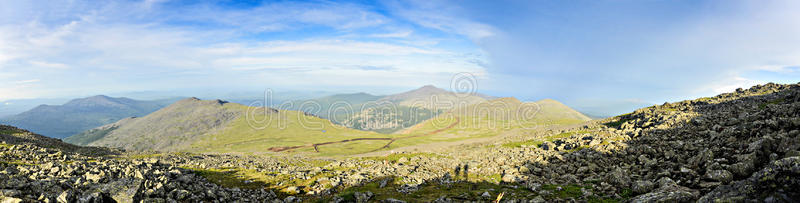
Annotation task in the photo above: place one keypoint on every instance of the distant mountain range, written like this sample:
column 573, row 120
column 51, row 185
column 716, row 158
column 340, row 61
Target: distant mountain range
column 388, row 113
column 217, row 126
column 78, row 115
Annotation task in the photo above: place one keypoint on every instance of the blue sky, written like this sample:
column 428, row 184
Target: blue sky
column 599, row 56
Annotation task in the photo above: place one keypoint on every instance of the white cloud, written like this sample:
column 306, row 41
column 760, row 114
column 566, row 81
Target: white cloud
column 7, row 52
column 281, row 16
column 401, row 34
column 26, row 81
column 340, row 46
column 344, row 56
column 779, row 68
column 45, row 37
column 624, row 49
column 45, row 64
column 116, row 46
column 729, row 85
column 443, row 16
column 150, row 3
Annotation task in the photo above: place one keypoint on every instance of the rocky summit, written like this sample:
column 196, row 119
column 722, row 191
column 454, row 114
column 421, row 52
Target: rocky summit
column 742, row 146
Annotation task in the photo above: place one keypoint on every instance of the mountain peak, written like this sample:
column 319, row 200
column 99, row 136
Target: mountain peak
column 198, row 101
column 96, row 98
column 423, row 92
column 101, row 100
column 100, row 96
column 429, row 89
column 548, row 100
column 511, row 100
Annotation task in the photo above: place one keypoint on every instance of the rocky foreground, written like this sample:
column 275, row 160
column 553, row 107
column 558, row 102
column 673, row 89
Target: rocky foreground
column 740, row 146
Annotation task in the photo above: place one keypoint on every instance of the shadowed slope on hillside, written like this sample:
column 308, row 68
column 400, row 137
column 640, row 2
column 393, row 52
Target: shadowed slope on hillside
column 89, row 136
column 17, row 136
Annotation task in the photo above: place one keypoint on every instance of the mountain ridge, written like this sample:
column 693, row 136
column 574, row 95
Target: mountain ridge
column 357, row 110
column 78, row 115
column 170, row 123
column 726, row 148
column 193, row 124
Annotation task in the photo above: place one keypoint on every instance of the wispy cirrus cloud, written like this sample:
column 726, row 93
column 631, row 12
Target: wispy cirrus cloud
column 45, row 64
column 152, row 45
column 446, row 16
column 779, row 68
column 26, row 81
column 659, row 51
column 571, row 51
column 400, row 34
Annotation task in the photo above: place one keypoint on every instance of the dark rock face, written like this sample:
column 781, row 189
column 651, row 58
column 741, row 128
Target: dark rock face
column 777, row 182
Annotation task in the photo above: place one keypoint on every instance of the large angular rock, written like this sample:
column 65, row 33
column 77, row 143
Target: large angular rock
column 700, row 159
column 392, row 200
column 777, row 182
column 668, row 192
column 641, row 187
column 362, row 197
column 5, row 199
column 124, row 190
column 619, row 177
column 719, row 176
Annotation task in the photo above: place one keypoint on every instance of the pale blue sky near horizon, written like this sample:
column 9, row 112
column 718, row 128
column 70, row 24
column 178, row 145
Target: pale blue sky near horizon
column 599, row 56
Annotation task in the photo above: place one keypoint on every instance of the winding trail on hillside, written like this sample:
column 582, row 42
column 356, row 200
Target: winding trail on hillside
column 391, row 140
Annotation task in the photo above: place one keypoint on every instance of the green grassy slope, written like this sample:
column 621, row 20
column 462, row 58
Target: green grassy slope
column 490, row 119
column 286, row 128
column 218, row 127
column 172, row 127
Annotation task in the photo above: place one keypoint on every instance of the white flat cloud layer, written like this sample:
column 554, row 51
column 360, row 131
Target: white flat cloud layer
column 570, row 51
column 73, row 47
